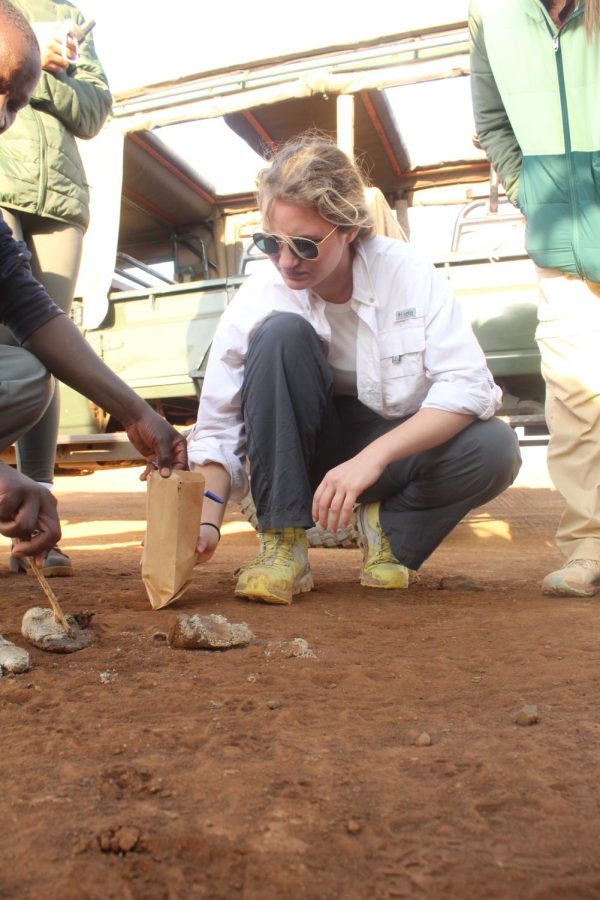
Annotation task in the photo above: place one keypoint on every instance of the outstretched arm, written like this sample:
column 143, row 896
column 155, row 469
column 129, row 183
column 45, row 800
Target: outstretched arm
column 65, row 353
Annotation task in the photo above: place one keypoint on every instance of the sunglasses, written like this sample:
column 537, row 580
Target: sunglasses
column 303, row 248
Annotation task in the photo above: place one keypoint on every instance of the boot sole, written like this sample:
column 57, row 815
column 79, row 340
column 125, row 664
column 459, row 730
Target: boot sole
column 566, row 590
column 301, row 586
column 18, row 568
column 57, row 572
column 368, row 582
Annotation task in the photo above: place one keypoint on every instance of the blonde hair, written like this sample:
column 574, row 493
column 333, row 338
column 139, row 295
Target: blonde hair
column 312, row 171
column 592, row 17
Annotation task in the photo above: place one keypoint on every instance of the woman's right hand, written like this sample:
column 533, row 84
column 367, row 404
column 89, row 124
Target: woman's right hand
column 340, row 488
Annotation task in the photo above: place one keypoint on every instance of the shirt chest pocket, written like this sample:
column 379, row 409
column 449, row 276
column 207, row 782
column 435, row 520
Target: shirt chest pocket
column 401, row 352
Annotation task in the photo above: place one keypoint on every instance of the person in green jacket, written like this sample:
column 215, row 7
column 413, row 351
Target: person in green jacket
column 535, row 78
column 44, row 195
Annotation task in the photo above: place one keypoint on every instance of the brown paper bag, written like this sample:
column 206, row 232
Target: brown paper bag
column 173, row 514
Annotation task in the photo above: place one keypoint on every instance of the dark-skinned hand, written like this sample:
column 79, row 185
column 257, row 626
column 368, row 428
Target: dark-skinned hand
column 28, row 514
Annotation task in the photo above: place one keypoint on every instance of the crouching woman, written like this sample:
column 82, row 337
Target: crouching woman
column 343, row 374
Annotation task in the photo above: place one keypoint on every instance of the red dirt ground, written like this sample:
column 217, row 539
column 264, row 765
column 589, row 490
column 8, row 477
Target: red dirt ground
column 135, row 771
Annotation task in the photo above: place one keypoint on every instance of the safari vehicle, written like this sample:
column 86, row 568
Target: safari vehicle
column 183, row 247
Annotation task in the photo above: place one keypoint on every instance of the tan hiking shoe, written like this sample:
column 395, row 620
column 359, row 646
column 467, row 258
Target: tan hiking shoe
column 280, row 570
column 577, row 578
column 380, row 567
column 56, row 564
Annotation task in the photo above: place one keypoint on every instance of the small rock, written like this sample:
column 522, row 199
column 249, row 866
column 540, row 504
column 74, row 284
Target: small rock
column 127, row 839
column 159, row 636
column 424, row 740
column 43, row 631
column 13, row 659
column 353, row 826
column 104, row 841
column 459, row 583
column 207, row 633
column 287, row 649
column 83, row 618
column 273, row 704
column 122, row 839
column 81, row 846
column 528, row 715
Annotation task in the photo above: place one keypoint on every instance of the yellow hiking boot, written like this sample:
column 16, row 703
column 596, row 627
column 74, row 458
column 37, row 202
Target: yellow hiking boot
column 380, row 567
column 280, row 570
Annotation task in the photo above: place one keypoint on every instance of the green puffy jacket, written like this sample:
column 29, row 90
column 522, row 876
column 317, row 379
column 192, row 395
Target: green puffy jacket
column 40, row 167
column 535, row 98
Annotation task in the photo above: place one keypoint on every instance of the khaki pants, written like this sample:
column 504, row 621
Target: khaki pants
column 568, row 336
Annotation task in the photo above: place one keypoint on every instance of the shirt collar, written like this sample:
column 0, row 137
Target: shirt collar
column 362, row 290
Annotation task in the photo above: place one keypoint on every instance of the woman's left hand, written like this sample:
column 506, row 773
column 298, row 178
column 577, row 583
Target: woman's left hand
column 338, row 492
column 207, row 543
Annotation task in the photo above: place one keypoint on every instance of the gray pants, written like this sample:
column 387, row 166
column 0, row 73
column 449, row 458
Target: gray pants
column 296, row 430
column 55, row 257
column 25, row 391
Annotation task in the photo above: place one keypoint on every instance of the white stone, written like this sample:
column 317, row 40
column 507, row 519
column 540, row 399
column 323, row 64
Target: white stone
column 208, row 633
column 12, row 658
column 43, row 631
column 297, row 647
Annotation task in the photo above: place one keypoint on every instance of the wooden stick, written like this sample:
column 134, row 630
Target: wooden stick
column 58, row 613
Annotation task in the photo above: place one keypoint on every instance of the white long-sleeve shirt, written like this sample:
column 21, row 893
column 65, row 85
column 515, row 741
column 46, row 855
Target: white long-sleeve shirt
column 414, row 348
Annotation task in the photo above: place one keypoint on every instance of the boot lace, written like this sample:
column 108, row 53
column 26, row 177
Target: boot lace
column 383, row 551
column 273, row 547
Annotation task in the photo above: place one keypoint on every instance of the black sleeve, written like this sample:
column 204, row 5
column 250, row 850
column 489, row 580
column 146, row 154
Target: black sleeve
column 24, row 304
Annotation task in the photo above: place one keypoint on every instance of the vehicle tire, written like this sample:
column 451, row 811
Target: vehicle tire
column 317, row 536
